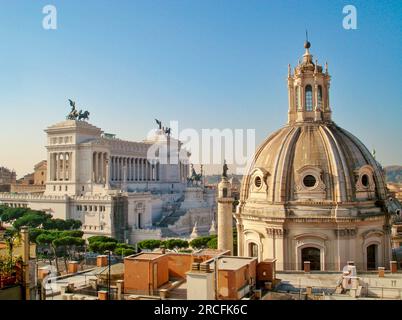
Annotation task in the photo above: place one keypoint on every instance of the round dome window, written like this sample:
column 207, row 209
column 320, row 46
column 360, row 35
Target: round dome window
column 258, row 182
column 365, row 180
column 309, row 181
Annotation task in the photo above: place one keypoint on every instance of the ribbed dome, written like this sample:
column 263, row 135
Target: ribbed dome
column 314, row 162
column 313, row 194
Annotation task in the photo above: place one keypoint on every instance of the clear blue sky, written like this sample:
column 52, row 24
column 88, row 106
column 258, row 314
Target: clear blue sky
column 207, row 64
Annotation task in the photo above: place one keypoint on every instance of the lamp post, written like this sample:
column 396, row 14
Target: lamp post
column 108, row 276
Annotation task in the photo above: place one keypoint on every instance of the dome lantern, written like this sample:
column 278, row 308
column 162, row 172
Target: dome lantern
column 308, row 91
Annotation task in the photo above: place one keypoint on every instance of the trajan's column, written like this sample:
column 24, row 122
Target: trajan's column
column 225, row 219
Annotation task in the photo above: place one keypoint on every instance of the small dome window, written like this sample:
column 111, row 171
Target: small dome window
column 365, row 180
column 258, row 182
column 309, row 98
column 309, row 181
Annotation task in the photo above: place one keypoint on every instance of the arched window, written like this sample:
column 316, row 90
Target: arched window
column 319, row 97
column 224, row 192
column 298, row 98
column 308, row 98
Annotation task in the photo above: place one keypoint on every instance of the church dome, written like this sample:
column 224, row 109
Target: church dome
column 311, row 159
column 314, row 197
column 315, row 162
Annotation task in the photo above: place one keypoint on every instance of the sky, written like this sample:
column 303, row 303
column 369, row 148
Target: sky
column 206, row 64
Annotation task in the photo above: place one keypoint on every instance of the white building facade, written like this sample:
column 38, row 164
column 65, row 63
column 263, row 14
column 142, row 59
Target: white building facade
column 115, row 188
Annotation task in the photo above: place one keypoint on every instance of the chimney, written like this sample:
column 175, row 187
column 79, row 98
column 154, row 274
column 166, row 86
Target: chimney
column 195, row 266
column 101, row 261
column 204, row 267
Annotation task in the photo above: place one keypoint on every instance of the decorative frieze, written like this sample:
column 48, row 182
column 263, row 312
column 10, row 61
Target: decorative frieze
column 275, row 232
column 345, row 232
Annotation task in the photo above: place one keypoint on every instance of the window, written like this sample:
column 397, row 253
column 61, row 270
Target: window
column 319, row 97
column 139, row 221
column 309, row 98
column 257, row 182
column 298, row 98
column 365, row 180
column 309, row 181
column 252, row 249
column 224, row 192
column 66, row 188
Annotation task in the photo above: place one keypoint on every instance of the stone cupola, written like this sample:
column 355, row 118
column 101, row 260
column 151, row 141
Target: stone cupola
column 308, row 90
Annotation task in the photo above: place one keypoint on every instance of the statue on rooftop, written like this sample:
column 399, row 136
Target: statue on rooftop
column 159, row 123
column 225, row 169
column 75, row 115
column 168, row 131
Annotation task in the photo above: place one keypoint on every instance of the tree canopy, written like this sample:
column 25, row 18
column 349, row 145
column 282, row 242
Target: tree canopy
column 201, row 242
column 149, row 244
column 20, row 217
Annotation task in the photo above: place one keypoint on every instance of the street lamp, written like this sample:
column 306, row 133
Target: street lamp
column 108, row 252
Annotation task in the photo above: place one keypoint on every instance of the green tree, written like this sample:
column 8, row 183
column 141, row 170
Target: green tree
column 47, row 238
column 11, row 214
column 124, row 251
column 213, row 243
column 201, row 242
column 73, row 224
column 175, row 244
column 101, row 247
column 149, row 244
column 30, row 219
column 60, row 224
column 101, row 239
column 124, row 246
column 68, row 243
column 34, row 233
column 72, row 233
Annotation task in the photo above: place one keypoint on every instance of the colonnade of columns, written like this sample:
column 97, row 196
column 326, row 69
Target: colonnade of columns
column 138, row 169
column 99, row 170
column 60, row 166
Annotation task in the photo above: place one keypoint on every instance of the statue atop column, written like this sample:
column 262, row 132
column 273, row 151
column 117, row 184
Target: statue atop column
column 167, row 131
column 225, row 169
